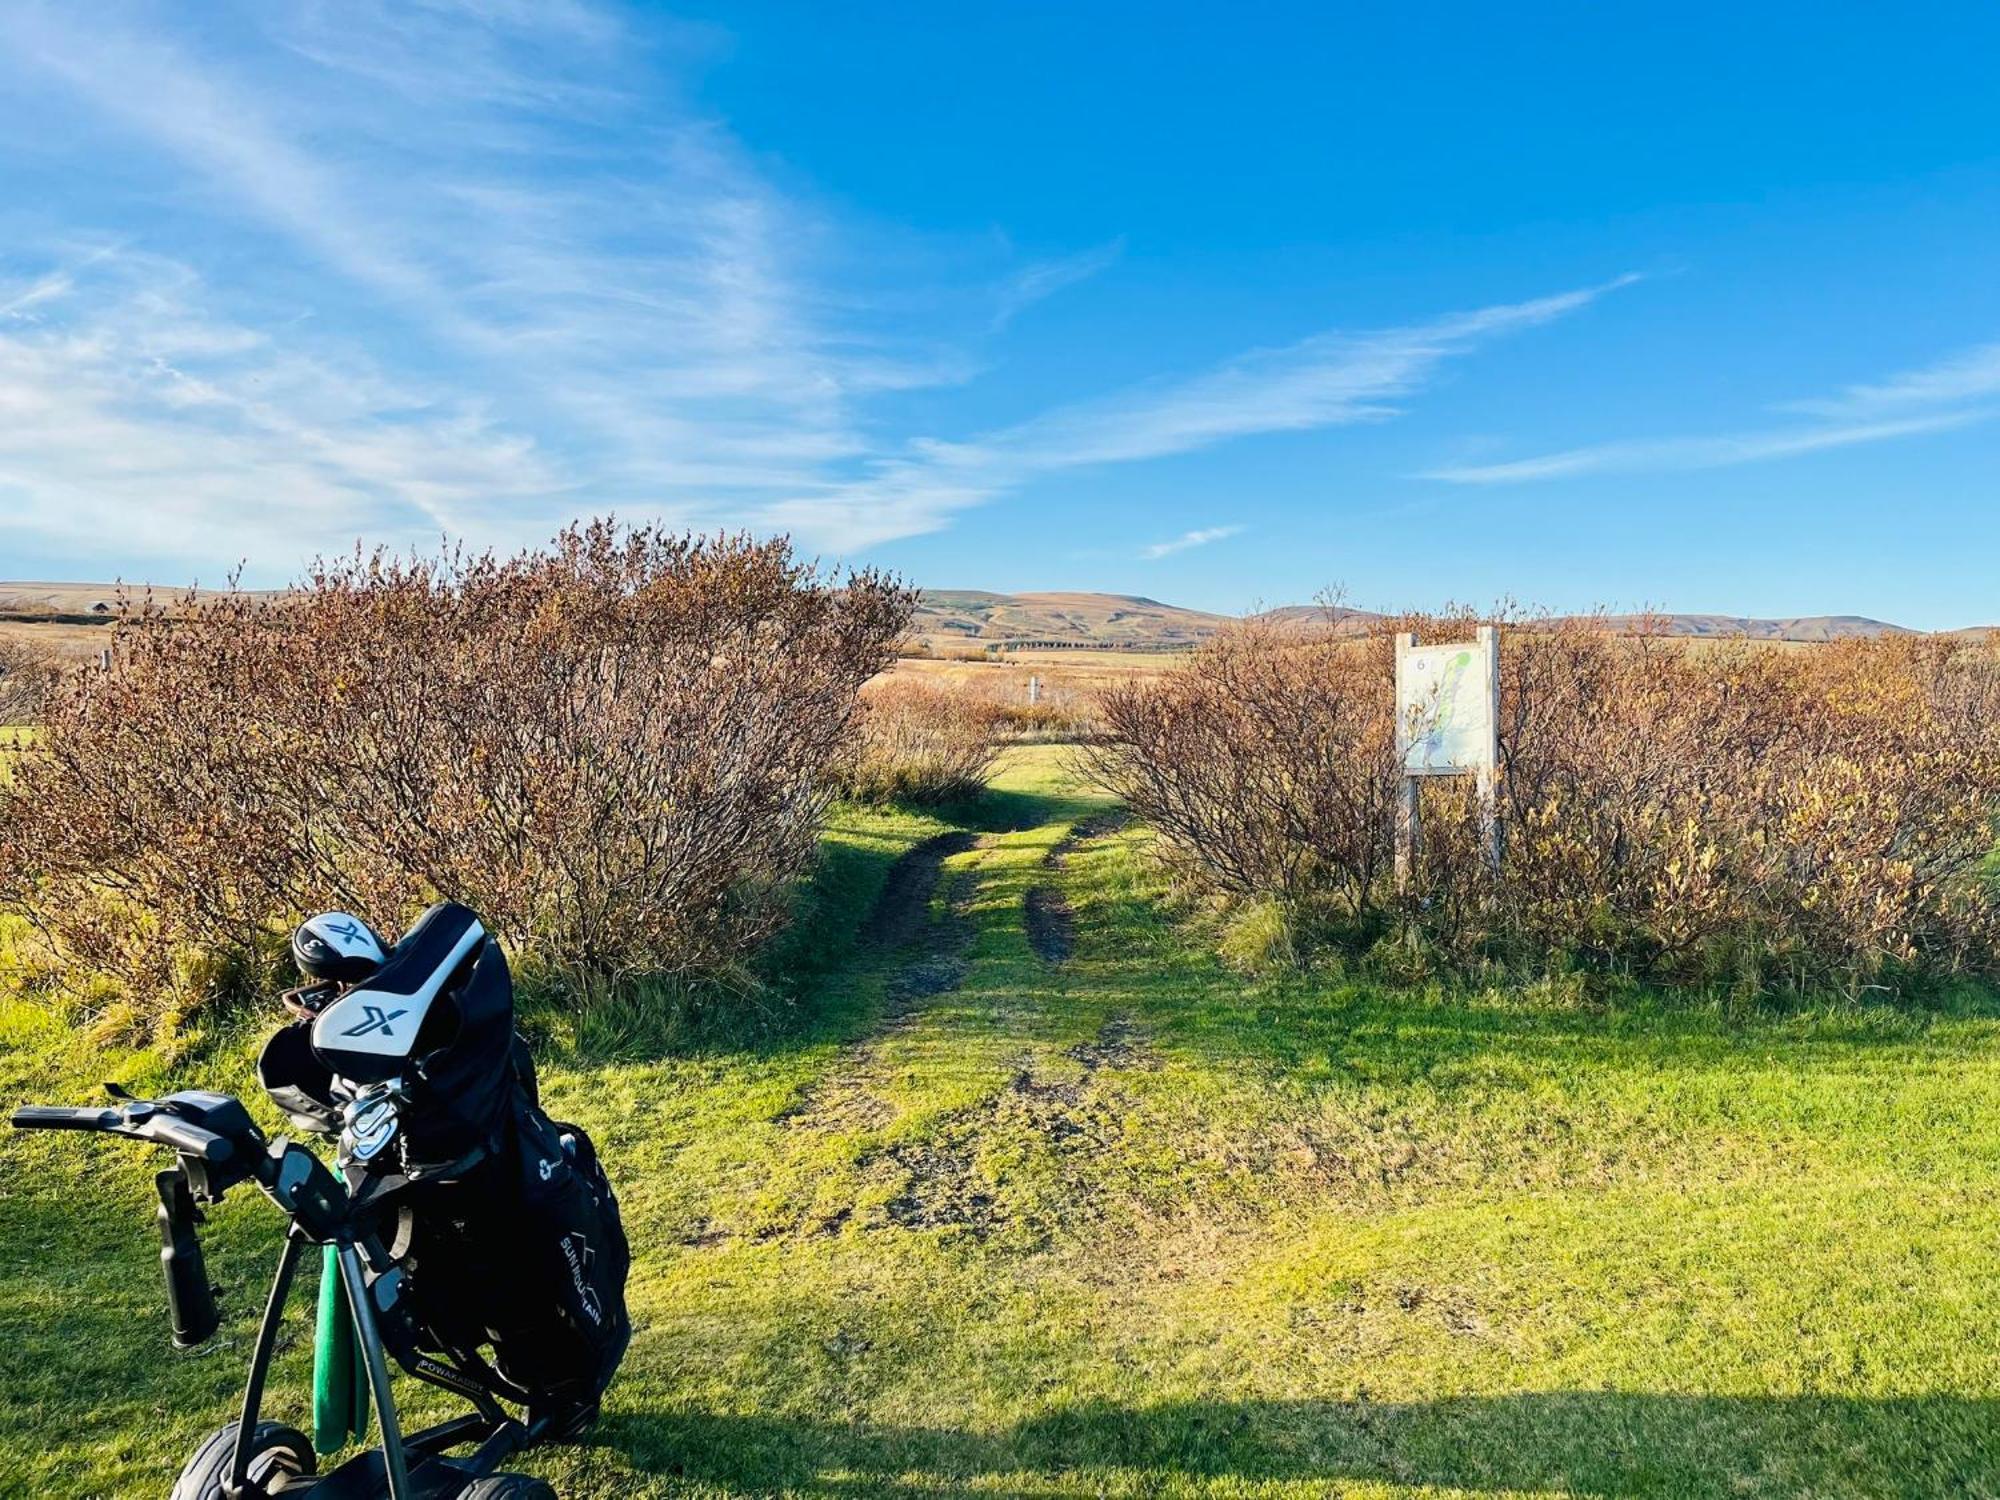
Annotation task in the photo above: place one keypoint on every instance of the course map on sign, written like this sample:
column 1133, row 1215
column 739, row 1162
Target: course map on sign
column 1446, row 710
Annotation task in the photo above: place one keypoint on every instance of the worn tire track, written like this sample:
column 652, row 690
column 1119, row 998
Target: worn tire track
column 843, row 1099
column 1045, row 910
column 903, row 905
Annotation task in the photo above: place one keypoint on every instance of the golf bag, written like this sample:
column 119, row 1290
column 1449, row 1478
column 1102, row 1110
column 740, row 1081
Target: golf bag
column 500, row 1219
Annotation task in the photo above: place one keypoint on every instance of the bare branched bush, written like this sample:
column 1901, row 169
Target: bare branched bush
column 27, row 677
column 921, row 742
column 1266, row 762
column 1689, row 812
column 616, row 750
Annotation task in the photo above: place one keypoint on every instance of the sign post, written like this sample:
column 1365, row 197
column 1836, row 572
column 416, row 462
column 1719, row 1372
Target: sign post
column 1447, row 724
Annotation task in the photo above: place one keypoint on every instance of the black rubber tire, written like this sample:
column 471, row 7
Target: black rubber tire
column 281, row 1455
column 508, row 1487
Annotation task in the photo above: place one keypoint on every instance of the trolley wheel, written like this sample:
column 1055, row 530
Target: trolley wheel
column 508, row 1487
column 279, row 1455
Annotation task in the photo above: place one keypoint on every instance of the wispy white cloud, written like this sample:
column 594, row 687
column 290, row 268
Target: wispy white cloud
column 1970, row 376
column 172, row 99
column 139, row 419
column 491, row 48
column 20, row 302
column 1931, row 399
column 1673, row 454
column 628, row 294
column 1045, row 278
column 1329, row 380
column 519, row 199
column 1200, row 537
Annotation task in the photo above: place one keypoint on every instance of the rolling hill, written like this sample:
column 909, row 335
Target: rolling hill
column 1128, row 621
column 64, row 615
column 1115, row 620
column 1715, row 627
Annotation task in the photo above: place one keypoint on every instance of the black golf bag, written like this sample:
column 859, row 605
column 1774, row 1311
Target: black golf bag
column 500, row 1219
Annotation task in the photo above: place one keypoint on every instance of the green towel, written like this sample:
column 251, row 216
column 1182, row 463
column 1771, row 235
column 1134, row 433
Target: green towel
column 340, row 1380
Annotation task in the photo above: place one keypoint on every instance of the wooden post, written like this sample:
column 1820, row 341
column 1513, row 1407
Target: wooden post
column 1407, row 830
column 1489, row 792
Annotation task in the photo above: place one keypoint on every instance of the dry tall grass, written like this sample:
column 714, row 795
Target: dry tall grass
column 617, row 750
column 1062, row 705
column 921, row 742
column 1737, row 813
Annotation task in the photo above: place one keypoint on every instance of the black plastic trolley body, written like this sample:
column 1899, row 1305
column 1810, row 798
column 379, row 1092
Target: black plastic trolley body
column 218, row 1146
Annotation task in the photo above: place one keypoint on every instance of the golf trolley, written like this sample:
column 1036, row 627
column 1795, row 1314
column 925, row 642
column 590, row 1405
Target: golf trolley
column 462, row 1217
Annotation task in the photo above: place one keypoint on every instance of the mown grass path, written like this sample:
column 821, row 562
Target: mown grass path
column 1030, row 1197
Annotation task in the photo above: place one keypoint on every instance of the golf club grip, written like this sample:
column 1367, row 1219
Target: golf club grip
column 60, row 1117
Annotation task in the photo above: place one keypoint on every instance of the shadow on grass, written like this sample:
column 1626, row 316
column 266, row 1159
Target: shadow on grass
column 1011, row 810
column 1436, row 1035
column 1583, row 1443
column 1402, row 1031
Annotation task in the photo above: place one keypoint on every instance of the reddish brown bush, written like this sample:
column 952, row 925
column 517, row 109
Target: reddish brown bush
column 1266, row 762
column 1802, row 812
column 26, row 679
column 616, row 750
column 921, row 742
column 1692, row 811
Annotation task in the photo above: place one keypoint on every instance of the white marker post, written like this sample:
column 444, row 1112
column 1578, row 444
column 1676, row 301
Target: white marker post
column 1447, row 724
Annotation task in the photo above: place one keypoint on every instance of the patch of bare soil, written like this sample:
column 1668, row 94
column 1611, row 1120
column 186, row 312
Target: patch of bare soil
column 1086, row 830
column 1046, row 910
column 1119, row 1044
column 941, row 1190
column 844, row 1100
column 1051, row 928
column 903, row 907
column 706, row 1234
column 1054, row 1109
column 941, row 965
column 1061, row 1122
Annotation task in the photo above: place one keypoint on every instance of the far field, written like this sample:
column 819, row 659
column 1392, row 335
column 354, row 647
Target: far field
column 1070, row 679
column 1022, row 1194
column 959, row 624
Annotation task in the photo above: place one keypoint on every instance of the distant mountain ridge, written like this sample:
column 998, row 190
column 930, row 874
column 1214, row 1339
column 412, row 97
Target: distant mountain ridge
column 1717, row 627
column 1129, row 621
column 1804, row 628
column 983, row 617
column 1125, row 620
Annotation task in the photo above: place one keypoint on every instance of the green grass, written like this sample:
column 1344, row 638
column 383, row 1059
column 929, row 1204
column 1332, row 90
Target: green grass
column 1136, row 1225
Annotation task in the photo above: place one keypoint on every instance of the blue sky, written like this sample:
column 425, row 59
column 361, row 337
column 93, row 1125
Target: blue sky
column 1688, row 306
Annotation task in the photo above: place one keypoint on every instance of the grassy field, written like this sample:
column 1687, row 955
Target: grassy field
column 1024, row 1195
column 1004, row 675
column 73, row 644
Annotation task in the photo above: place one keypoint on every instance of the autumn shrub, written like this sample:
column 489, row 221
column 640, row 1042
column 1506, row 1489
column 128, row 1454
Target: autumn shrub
column 616, row 749
column 1705, row 813
column 921, row 742
column 27, row 677
column 1778, row 816
column 1265, row 761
